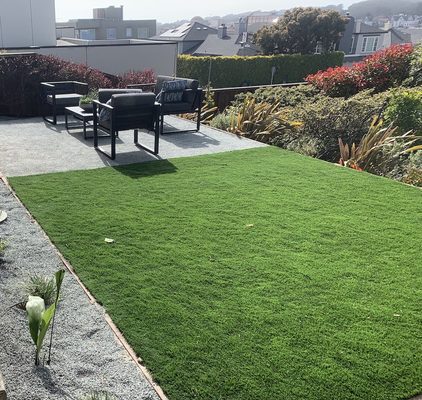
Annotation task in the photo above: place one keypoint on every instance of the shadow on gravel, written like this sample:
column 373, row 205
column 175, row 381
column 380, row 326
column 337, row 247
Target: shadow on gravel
column 45, row 375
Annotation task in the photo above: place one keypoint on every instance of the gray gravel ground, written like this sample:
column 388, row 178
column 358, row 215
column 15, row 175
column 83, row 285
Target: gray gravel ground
column 30, row 146
column 86, row 355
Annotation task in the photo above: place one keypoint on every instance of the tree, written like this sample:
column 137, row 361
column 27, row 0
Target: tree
column 301, row 30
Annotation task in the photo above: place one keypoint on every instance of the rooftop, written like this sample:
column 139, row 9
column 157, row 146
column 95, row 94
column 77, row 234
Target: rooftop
column 184, row 29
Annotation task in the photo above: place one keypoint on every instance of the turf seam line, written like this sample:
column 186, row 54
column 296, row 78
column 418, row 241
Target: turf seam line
column 118, row 335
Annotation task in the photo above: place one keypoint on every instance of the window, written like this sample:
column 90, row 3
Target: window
column 86, row 34
column 111, row 33
column 142, row 33
column 370, row 44
column 353, row 44
column 128, row 32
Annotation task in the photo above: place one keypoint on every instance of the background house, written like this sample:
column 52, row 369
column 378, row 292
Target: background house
column 29, row 26
column 360, row 39
column 25, row 23
column 225, row 43
column 188, row 36
column 258, row 19
column 107, row 24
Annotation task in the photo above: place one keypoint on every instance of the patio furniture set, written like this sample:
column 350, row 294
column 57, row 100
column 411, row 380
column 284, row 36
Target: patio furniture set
column 116, row 110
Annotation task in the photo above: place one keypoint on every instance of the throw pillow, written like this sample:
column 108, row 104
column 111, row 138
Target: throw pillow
column 105, row 113
column 174, row 91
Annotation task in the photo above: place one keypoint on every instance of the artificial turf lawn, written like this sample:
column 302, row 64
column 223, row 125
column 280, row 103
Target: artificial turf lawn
column 257, row 274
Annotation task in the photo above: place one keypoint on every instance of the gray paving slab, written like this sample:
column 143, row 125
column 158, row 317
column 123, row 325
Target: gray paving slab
column 31, row 146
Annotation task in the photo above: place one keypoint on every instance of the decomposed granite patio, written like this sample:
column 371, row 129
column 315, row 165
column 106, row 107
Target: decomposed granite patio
column 30, row 146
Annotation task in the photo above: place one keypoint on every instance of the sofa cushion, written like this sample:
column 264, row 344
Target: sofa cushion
column 141, row 100
column 104, row 95
column 65, row 100
column 176, row 108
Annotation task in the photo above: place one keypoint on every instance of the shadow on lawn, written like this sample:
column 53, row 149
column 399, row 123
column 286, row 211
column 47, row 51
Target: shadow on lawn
column 145, row 169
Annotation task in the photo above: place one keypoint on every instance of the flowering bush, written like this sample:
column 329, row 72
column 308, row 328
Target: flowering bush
column 380, row 71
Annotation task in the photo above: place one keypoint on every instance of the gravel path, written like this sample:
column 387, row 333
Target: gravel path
column 86, row 355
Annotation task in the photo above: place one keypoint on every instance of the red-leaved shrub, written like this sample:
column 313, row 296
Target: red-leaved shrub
column 136, row 77
column 382, row 70
column 21, row 75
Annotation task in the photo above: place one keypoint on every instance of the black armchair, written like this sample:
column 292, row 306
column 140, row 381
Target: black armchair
column 56, row 96
column 190, row 103
column 125, row 111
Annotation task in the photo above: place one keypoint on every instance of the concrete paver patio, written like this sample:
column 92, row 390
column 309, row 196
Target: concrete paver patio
column 30, row 146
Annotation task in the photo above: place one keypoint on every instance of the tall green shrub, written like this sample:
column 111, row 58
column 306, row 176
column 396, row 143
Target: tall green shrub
column 245, row 71
column 405, row 110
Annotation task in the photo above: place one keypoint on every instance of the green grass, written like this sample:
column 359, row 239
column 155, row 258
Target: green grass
column 258, row 274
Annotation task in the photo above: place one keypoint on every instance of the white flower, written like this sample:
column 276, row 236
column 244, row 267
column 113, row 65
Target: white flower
column 35, row 308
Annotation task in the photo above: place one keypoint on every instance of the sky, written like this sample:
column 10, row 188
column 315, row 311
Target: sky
column 173, row 10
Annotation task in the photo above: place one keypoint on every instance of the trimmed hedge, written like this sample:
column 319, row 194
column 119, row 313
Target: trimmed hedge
column 251, row 71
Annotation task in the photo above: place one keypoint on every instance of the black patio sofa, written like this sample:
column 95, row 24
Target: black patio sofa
column 191, row 101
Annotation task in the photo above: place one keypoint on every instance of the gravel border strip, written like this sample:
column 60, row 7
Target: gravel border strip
column 140, row 379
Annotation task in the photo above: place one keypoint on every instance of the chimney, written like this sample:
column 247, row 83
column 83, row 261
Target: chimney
column 222, row 31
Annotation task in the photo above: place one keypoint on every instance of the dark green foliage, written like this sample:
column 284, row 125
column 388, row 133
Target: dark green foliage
column 326, row 119
column 257, row 274
column 250, row 71
column 286, row 97
column 415, row 74
column 405, row 109
column 300, row 30
column 41, row 286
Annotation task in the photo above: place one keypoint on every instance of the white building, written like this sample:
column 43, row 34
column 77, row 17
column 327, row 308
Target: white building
column 25, row 23
column 30, row 25
column 405, row 21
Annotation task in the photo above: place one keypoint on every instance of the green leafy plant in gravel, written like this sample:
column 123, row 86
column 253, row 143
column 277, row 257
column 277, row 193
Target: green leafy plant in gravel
column 257, row 274
column 99, row 395
column 40, row 318
column 3, row 246
column 41, row 286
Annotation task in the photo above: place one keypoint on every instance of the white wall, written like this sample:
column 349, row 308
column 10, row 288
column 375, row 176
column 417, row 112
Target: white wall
column 118, row 59
column 26, row 23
